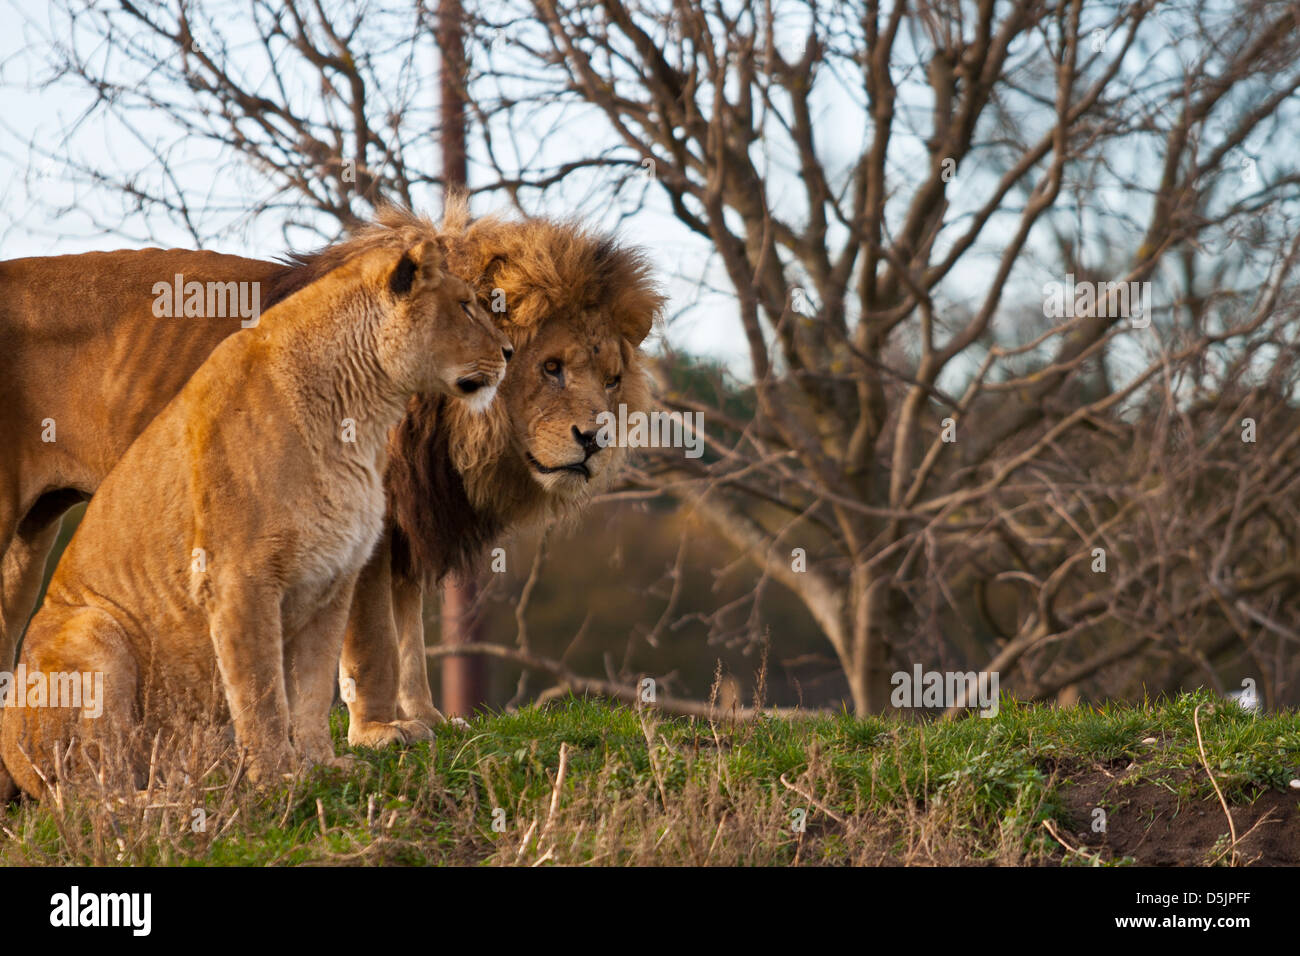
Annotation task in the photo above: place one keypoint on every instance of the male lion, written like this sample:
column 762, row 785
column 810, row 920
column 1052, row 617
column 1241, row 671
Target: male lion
column 85, row 365
column 228, row 539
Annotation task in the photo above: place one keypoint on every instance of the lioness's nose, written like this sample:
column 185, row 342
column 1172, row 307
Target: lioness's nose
column 507, row 351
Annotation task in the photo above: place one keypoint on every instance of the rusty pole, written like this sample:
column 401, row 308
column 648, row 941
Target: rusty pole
column 464, row 679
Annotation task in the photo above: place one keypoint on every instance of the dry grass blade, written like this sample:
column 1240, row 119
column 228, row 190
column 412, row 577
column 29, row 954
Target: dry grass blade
column 555, row 791
column 1050, row 827
column 813, row 800
column 1200, row 745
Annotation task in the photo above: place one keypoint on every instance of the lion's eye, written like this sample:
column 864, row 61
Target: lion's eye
column 465, row 308
column 614, row 382
column 552, row 366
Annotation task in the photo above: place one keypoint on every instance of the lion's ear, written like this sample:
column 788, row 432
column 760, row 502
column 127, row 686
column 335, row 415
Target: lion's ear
column 635, row 325
column 443, row 246
column 422, row 265
column 520, row 309
column 489, row 275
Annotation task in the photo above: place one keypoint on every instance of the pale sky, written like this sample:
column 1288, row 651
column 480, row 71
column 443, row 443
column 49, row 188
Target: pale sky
column 41, row 214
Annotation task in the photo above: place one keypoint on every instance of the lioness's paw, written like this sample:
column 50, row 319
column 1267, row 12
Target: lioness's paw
column 317, row 750
column 343, row 762
column 373, row 733
column 272, row 767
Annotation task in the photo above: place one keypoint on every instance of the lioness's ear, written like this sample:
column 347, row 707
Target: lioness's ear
column 403, row 276
column 422, row 264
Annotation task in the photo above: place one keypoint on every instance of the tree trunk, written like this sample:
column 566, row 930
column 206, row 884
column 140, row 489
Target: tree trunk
column 873, row 608
column 452, row 76
column 464, row 678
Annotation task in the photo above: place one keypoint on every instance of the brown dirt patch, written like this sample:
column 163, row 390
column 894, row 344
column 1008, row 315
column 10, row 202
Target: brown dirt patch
column 1156, row 827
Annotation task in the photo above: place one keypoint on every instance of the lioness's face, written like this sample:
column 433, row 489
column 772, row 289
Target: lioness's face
column 453, row 348
column 560, row 381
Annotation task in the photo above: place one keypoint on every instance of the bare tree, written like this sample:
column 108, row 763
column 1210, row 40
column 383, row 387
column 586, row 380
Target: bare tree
column 889, row 190
column 905, row 204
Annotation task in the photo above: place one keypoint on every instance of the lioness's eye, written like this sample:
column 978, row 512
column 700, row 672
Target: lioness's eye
column 551, row 367
column 465, row 308
column 614, row 382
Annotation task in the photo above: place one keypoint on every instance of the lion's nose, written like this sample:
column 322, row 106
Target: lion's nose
column 507, row 351
column 587, row 440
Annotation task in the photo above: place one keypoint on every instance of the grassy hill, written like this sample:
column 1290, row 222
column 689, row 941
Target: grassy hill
column 584, row 782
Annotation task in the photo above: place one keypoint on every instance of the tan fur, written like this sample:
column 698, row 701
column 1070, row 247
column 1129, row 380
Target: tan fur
column 80, row 347
column 223, row 549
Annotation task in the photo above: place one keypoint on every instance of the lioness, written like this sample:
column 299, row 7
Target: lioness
column 229, row 537
column 85, row 365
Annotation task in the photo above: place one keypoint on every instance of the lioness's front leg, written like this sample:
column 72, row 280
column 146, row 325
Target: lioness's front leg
column 244, row 624
column 310, row 657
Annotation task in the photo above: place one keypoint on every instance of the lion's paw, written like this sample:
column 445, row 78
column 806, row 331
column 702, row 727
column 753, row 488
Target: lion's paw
column 435, row 718
column 415, row 730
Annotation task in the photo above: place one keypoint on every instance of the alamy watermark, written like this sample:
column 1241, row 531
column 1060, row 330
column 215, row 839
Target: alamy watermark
column 1105, row 300
column 208, row 300
column 946, row 689
column 637, row 429
column 83, row 689
column 75, row 909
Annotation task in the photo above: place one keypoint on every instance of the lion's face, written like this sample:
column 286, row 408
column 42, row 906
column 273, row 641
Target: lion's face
column 565, row 376
column 439, row 338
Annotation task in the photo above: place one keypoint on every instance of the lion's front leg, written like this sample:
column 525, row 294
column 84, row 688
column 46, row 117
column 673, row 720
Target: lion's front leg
column 246, row 634
column 414, row 696
column 368, row 669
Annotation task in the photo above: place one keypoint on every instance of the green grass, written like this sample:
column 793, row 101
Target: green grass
column 641, row 788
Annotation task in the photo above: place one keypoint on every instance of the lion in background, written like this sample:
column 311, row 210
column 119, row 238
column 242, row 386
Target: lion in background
column 85, row 364
column 223, row 549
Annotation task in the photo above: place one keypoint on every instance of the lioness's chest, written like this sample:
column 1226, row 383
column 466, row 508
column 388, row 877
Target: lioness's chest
column 345, row 519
